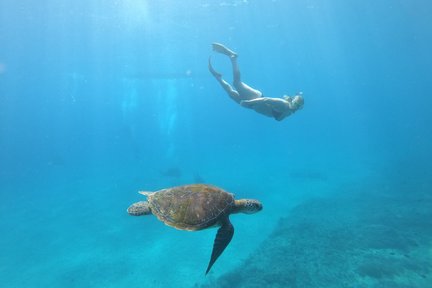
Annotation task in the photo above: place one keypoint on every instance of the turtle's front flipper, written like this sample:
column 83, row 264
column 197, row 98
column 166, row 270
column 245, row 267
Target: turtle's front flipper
column 223, row 238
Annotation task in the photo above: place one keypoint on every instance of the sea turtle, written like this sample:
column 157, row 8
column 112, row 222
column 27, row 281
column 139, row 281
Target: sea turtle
column 196, row 207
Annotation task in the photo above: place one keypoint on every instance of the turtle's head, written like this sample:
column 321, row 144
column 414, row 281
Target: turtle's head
column 139, row 209
column 247, row 206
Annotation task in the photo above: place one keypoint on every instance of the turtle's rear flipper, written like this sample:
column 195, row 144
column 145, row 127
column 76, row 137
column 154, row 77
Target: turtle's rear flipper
column 223, row 238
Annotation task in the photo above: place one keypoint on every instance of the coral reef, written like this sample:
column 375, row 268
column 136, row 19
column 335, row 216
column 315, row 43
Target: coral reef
column 362, row 240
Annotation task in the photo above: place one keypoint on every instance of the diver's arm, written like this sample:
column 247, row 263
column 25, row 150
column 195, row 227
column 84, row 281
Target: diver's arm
column 253, row 102
column 276, row 104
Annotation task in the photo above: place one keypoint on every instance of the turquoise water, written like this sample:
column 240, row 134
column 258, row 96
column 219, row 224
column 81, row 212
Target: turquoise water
column 100, row 100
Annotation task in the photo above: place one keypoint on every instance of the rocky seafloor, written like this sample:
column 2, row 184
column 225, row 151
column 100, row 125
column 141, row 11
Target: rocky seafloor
column 357, row 240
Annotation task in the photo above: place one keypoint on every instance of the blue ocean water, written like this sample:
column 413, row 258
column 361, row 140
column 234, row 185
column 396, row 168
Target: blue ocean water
column 101, row 99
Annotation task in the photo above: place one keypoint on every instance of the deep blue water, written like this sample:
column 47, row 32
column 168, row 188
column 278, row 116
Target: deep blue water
column 100, row 99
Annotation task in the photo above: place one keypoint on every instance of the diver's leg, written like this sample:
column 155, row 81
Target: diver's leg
column 245, row 91
column 213, row 71
column 233, row 56
column 227, row 87
column 236, row 71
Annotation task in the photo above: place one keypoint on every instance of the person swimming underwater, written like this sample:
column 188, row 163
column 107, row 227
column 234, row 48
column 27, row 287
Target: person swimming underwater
column 248, row 97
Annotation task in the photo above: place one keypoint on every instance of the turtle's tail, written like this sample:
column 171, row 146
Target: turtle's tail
column 139, row 209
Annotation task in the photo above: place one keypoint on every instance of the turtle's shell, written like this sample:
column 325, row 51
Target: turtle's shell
column 191, row 207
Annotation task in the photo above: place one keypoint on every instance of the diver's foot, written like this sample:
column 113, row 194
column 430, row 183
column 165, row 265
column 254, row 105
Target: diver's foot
column 224, row 50
column 213, row 71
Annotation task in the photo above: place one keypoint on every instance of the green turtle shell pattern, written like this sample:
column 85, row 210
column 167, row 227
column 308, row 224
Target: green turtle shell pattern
column 191, row 207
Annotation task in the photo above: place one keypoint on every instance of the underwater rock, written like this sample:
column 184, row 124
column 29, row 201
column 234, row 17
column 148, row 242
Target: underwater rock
column 350, row 241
